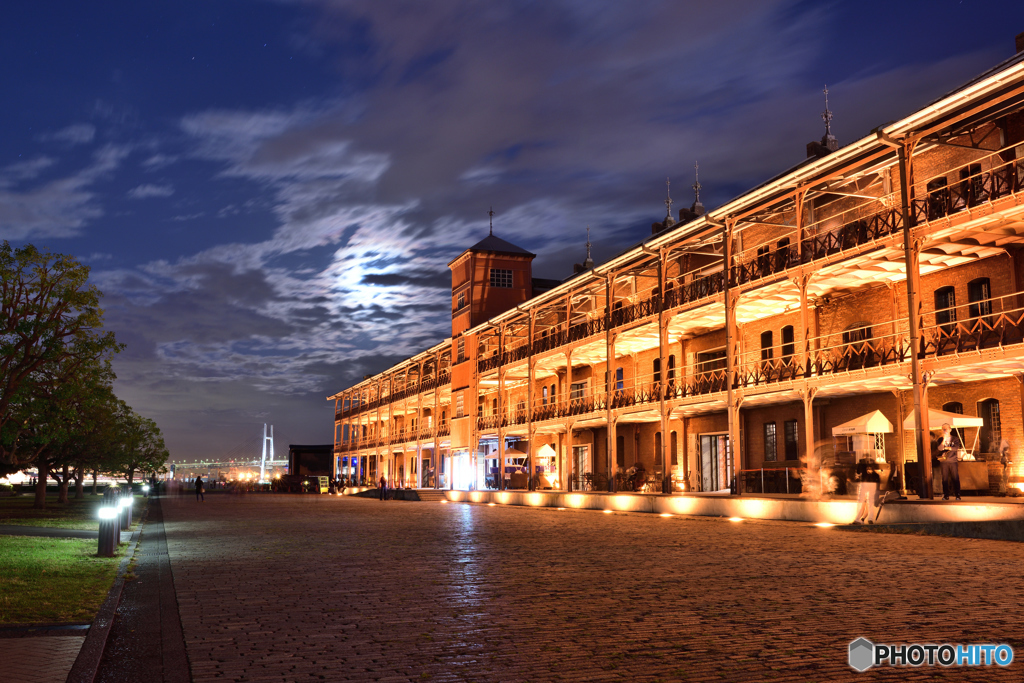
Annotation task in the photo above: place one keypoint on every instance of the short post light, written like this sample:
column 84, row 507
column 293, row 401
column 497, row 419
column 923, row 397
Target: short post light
column 110, row 531
column 125, row 504
column 145, row 490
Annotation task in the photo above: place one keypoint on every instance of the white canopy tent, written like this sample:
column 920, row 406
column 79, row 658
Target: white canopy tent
column 937, row 418
column 872, row 423
column 865, row 427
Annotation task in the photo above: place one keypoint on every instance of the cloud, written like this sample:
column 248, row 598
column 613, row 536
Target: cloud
column 148, row 190
column 76, row 134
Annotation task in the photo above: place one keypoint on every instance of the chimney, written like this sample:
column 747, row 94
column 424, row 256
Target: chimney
column 1020, row 43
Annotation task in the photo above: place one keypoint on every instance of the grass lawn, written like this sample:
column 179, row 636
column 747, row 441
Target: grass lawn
column 76, row 514
column 48, row 580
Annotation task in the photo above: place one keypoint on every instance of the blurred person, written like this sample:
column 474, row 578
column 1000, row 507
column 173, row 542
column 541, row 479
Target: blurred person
column 949, row 452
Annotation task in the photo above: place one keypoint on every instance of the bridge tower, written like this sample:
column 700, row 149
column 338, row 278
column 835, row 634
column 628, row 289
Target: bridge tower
column 266, row 440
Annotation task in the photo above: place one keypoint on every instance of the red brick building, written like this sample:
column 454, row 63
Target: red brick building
column 734, row 341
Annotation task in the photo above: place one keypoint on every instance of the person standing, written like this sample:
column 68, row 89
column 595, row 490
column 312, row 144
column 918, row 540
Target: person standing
column 199, row 489
column 867, row 492
column 383, row 487
column 1004, row 460
column 949, row 450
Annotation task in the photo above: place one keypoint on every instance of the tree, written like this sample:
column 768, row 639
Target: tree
column 140, row 445
column 50, row 330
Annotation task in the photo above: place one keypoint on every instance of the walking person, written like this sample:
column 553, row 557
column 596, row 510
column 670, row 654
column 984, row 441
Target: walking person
column 949, row 451
column 383, row 487
column 199, row 489
column 867, row 492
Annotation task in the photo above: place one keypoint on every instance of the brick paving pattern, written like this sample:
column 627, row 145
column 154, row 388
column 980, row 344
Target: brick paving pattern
column 43, row 659
column 296, row 588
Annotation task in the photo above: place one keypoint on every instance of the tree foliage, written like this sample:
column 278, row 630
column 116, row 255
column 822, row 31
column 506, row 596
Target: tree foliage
column 51, row 339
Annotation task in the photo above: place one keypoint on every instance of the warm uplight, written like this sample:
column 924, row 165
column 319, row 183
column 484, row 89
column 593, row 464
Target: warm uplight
column 607, row 512
column 490, row 505
column 735, row 519
column 825, row 525
column 560, row 508
column 108, row 513
column 443, row 502
column 665, row 514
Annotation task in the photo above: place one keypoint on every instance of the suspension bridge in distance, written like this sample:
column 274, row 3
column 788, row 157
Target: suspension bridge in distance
column 251, row 460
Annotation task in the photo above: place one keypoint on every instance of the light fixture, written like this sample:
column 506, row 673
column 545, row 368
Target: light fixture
column 108, row 513
column 735, row 519
column 825, row 525
column 665, row 514
column 607, row 512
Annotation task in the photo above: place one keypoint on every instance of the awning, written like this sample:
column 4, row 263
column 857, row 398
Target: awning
column 872, row 423
column 937, row 418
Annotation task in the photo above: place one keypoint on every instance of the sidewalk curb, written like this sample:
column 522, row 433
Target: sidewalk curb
column 87, row 664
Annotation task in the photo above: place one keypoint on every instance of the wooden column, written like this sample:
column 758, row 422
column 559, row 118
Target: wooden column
column 666, row 482
column 813, row 478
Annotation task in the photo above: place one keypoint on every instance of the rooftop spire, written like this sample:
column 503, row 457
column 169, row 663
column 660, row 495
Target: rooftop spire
column 696, row 183
column 668, row 198
column 589, row 262
column 826, row 115
column 490, row 215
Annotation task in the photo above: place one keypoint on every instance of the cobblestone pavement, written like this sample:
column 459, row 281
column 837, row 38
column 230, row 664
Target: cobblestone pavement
column 42, row 659
column 296, row 588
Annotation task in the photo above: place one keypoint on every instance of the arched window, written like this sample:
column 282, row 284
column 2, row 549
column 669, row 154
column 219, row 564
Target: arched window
column 544, row 396
column 945, row 308
column 992, row 431
column 657, row 370
column 674, row 448
column 671, row 368
column 954, row 407
column 766, row 345
column 858, row 353
column 657, row 449
column 553, row 392
column 620, row 451
column 979, row 298
column 788, row 345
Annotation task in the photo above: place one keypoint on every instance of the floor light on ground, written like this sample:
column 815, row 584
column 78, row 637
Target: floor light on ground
column 735, row 519
column 824, row 525
column 490, row 505
column 607, row 512
column 665, row 514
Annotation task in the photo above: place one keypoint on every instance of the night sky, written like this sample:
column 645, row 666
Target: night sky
column 268, row 192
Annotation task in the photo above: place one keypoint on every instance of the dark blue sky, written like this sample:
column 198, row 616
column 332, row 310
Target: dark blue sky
column 268, row 192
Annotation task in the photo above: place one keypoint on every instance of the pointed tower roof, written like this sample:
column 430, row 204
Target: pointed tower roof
column 498, row 246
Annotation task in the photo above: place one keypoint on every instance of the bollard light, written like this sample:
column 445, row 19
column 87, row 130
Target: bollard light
column 145, row 490
column 109, row 531
column 125, row 505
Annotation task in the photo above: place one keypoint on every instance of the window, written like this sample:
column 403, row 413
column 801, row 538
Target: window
column 620, row 383
column 954, row 407
column 945, row 311
column 972, row 189
column 671, row 368
column 992, row 431
column 657, row 449
column 979, row 298
column 577, row 390
column 544, row 396
column 674, row 448
column 709, row 361
column 788, row 346
column 857, row 332
column 657, row 370
column 770, row 452
column 766, row 345
column 461, row 354
column 460, row 410
column 620, row 451
column 501, row 278
column 553, row 392
column 792, row 439
column 494, row 406
column 461, row 301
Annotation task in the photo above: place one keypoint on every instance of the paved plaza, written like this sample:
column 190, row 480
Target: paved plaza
column 294, row 588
